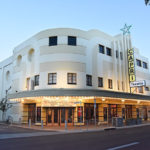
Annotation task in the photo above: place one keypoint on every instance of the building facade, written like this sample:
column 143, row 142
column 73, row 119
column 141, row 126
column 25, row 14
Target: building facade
column 75, row 76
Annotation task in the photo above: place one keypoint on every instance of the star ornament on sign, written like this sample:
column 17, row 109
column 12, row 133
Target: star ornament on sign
column 147, row 2
column 126, row 29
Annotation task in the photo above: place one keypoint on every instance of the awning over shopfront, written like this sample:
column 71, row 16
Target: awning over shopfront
column 78, row 92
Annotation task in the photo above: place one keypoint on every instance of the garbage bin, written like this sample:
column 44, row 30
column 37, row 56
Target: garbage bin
column 117, row 121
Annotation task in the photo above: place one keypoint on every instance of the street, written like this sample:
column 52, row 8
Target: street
column 126, row 139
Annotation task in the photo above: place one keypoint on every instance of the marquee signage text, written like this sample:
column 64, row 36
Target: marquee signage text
column 131, row 65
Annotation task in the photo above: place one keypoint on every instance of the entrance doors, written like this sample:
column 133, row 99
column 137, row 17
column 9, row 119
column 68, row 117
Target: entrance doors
column 89, row 112
column 57, row 116
column 145, row 113
column 112, row 112
column 128, row 111
column 52, row 116
column 31, row 112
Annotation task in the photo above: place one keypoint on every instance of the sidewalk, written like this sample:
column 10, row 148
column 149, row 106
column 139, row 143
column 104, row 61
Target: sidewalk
column 77, row 128
column 59, row 130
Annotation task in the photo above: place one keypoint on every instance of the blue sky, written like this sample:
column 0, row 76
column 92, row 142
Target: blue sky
column 20, row 19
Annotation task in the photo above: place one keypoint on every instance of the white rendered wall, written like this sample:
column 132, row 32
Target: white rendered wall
column 96, row 64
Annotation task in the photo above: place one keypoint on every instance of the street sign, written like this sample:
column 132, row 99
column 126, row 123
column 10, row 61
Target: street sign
column 138, row 83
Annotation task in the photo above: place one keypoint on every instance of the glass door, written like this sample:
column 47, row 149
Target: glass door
column 112, row 112
column 128, row 111
column 49, row 116
column 56, row 116
column 70, row 115
column 31, row 112
column 63, row 115
column 145, row 113
column 89, row 112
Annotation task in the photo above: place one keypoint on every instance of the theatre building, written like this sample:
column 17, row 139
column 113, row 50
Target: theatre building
column 74, row 76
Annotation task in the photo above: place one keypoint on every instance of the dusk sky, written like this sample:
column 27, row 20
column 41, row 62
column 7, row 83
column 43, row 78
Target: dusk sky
column 21, row 19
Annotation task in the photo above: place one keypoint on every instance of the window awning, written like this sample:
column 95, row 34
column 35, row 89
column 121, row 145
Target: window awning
column 78, row 92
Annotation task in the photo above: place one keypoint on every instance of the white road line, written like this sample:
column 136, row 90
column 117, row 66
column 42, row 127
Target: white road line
column 123, row 146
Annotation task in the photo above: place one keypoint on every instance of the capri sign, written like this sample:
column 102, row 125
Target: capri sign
column 131, row 68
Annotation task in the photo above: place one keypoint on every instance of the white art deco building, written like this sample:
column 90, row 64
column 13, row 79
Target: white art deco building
column 69, row 74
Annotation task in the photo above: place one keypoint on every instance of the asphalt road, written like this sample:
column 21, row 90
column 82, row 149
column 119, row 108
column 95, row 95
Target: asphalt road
column 124, row 139
column 8, row 129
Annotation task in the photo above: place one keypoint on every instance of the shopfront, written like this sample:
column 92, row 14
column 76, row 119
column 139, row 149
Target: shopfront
column 89, row 113
column 32, row 112
column 112, row 112
column 58, row 115
column 80, row 110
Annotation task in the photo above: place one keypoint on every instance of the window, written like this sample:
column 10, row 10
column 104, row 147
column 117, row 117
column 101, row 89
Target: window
column 63, row 112
column 72, row 40
column 7, row 75
column 123, row 113
column 88, row 80
column 72, row 78
column 38, row 114
column 128, row 109
column 121, row 55
column 137, row 113
column 52, row 77
column 19, row 59
column 145, row 65
column 122, row 86
column 36, row 80
column 146, row 88
column 118, row 84
column 140, row 89
column 117, row 54
column 110, row 84
column 31, row 54
column 28, row 83
column 101, row 49
column 105, row 113
column 70, row 115
column 52, row 40
column 138, row 62
column 100, row 82
column 108, row 50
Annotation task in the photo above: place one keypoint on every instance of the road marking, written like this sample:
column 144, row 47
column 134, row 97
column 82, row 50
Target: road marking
column 123, row 146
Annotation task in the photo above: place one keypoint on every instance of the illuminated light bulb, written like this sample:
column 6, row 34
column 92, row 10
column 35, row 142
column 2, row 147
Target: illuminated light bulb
column 66, row 98
column 103, row 99
column 138, row 102
column 123, row 100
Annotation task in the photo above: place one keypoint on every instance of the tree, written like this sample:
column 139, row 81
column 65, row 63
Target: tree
column 5, row 105
column 147, row 2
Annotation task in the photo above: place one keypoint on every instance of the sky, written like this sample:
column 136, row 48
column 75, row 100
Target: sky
column 21, row 19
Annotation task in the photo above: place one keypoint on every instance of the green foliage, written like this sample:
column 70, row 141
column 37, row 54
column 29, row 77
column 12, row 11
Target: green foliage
column 147, row 2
